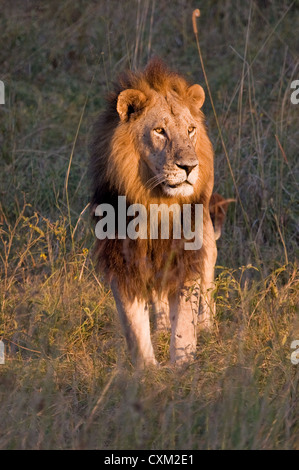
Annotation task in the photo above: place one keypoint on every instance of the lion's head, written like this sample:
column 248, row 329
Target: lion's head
column 165, row 134
column 151, row 141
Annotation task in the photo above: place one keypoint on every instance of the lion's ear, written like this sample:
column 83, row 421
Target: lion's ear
column 129, row 101
column 197, row 94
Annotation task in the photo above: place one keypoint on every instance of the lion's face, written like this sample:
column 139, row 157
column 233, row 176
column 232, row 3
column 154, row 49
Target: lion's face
column 168, row 138
column 165, row 133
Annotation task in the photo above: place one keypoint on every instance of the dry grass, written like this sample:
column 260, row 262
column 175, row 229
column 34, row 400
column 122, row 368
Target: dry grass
column 67, row 382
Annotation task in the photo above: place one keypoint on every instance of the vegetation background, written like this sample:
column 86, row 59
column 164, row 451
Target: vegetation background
column 67, row 382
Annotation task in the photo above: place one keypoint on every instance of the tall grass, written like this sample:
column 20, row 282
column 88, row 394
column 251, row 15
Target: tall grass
column 67, row 381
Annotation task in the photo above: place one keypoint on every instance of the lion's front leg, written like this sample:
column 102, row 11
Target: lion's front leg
column 208, row 308
column 161, row 311
column 134, row 318
column 183, row 307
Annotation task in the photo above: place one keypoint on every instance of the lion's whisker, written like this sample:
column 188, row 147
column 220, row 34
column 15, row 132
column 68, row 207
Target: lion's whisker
column 157, row 184
column 154, row 181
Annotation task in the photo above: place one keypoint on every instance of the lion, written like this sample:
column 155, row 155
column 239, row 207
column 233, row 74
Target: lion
column 151, row 145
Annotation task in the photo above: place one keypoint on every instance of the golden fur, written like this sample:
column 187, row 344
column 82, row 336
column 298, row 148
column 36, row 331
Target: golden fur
column 141, row 264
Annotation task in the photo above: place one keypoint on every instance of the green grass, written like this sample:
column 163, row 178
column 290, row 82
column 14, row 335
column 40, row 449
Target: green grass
column 67, row 382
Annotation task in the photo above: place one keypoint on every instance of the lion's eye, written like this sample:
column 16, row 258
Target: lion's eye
column 191, row 130
column 159, row 130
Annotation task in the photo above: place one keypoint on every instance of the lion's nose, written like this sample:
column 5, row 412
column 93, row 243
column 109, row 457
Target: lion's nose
column 188, row 168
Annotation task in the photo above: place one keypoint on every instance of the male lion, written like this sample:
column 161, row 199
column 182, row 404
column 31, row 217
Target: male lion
column 151, row 145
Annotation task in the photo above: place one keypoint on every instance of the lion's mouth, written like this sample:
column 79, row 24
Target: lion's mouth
column 177, row 185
